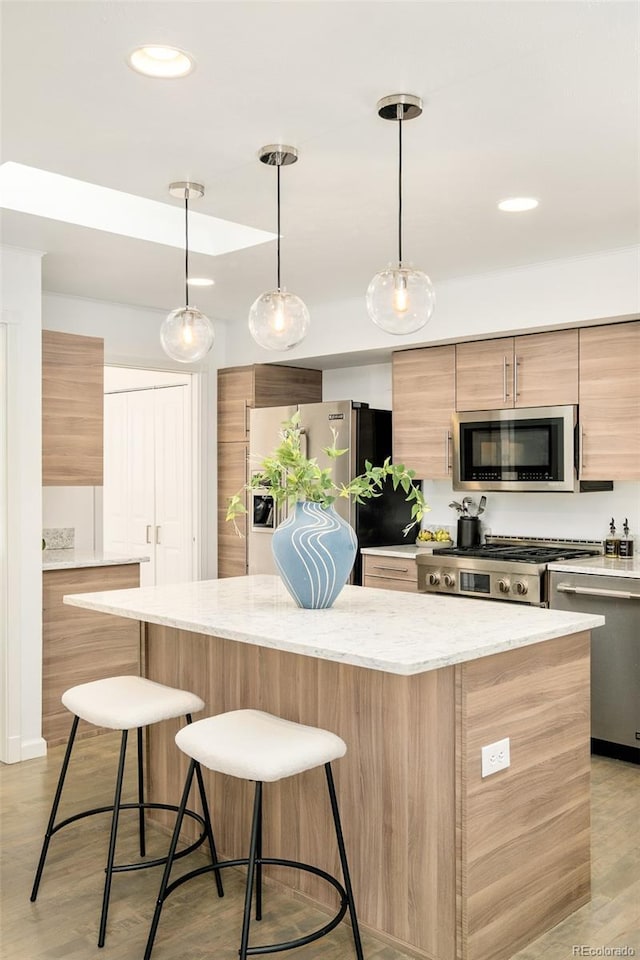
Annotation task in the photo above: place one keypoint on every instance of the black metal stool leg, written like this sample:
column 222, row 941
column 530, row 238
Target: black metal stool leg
column 251, row 863
column 343, row 862
column 209, row 829
column 54, row 809
column 169, row 863
column 112, row 840
column 259, row 865
column 143, row 848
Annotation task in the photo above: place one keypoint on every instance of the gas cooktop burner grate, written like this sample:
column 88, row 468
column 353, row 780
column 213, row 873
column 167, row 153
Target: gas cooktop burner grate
column 515, row 554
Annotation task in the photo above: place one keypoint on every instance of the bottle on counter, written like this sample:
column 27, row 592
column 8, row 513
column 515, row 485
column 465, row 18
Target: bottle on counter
column 612, row 542
column 625, row 549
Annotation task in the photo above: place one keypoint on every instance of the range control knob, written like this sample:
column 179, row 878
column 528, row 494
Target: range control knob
column 504, row 586
column 449, row 580
column 521, row 587
column 434, row 579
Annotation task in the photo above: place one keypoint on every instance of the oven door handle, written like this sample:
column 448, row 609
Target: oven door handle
column 594, row 592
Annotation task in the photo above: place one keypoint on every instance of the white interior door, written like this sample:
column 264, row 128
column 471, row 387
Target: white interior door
column 141, row 473
column 172, row 455
column 147, row 481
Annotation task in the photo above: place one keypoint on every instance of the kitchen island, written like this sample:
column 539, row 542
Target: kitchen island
column 445, row 863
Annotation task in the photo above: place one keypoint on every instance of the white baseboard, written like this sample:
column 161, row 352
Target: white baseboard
column 34, row 748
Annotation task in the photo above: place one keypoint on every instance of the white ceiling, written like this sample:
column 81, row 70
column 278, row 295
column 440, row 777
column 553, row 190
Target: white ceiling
column 534, row 98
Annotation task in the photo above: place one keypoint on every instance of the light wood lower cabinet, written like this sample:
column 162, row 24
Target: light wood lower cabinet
column 390, row 573
column 82, row 645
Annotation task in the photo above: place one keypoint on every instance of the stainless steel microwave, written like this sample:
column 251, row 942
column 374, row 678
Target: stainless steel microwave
column 526, row 449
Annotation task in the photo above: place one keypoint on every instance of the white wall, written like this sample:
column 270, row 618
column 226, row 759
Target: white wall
column 369, row 384
column 532, row 298
column 21, row 526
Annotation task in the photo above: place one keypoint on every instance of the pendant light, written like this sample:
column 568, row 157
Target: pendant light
column 278, row 320
column 400, row 299
column 186, row 334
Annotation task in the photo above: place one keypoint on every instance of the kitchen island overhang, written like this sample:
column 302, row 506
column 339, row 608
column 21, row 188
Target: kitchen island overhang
column 446, row 864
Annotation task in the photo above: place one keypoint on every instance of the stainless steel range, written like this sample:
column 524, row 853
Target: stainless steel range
column 504, row 568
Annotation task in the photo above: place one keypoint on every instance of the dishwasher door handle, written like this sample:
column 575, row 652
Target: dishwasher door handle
column 594, row 592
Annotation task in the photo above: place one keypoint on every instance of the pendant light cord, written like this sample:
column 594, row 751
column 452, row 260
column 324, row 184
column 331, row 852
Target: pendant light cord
column 186, row 246
column 400, row 116
column 278, row 245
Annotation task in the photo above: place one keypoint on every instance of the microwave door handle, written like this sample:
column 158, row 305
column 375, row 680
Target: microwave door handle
column 447, row 451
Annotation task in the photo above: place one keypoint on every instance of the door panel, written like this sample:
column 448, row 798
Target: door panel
column 172, row 519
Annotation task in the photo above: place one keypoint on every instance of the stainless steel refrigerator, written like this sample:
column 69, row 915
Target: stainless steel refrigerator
column 366, row 434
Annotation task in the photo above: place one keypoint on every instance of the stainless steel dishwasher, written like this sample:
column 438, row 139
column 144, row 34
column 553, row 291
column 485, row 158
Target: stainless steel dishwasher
column 615, row 656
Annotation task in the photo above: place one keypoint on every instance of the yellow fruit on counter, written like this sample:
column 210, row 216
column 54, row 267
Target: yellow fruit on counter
column 425, row 535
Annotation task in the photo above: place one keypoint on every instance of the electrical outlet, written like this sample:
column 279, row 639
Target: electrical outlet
column 495, row 756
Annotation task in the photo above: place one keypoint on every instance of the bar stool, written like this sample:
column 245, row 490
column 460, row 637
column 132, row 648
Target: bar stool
column 258, row 746
column 127, row 703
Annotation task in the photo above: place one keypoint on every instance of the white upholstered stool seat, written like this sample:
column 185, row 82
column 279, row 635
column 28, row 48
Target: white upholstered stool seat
column 124, row 703
column 253, row 745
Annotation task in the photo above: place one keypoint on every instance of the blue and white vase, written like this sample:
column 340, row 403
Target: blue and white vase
column 314, row 550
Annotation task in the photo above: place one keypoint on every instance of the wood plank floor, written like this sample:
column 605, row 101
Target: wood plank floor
column 62, row 925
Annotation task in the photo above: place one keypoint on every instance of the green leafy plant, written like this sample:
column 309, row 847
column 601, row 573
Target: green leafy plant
column 290, row 475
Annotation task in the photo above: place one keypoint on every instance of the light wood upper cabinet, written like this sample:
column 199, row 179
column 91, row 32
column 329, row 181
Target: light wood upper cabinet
column 536, row 370
column 423, row 401
column 239, row 390
column 610, row 402
column 72, row 409
column 260, row 385
column 546, row 369
column 484, row 374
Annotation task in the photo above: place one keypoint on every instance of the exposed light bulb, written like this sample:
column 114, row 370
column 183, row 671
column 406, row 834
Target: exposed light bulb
column 278, row 318
column 400, row 294
column 187, row 333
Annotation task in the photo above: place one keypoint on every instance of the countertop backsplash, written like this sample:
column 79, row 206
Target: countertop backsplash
column 59, row 538
column 581, row 516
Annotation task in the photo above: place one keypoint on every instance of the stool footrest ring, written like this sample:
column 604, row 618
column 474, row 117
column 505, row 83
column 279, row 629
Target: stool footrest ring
column 278, row 862
column 141, row 864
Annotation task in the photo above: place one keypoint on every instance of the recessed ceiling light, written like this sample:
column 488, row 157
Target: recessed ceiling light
column 518, row 204
column 200, row 282
column 164, row 63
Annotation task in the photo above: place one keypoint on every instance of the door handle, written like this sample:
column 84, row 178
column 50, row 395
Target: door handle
column 149, row 526
column 393, row 569
column 516, row 392
column 594, row 592
column 505, row 367
column 158, row 534
column 447, row 450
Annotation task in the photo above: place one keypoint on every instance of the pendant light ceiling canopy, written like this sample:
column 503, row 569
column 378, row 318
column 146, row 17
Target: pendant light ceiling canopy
column 278, row 320
column 186, row 334
column 400, row 299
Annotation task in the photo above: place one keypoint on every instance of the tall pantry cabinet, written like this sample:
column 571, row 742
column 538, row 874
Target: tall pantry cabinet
column 241, row 389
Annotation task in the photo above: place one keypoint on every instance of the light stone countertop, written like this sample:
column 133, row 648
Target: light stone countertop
column 403, row 550
column 70, row 559
column 601, row 566
column 366, row 627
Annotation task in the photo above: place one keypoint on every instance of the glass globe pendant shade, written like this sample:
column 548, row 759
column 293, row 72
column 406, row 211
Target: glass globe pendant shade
column 400, row 299
column 278, row 320
column 187, row 335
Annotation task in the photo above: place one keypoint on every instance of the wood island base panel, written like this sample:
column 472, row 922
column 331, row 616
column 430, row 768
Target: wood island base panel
column 446, row 864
